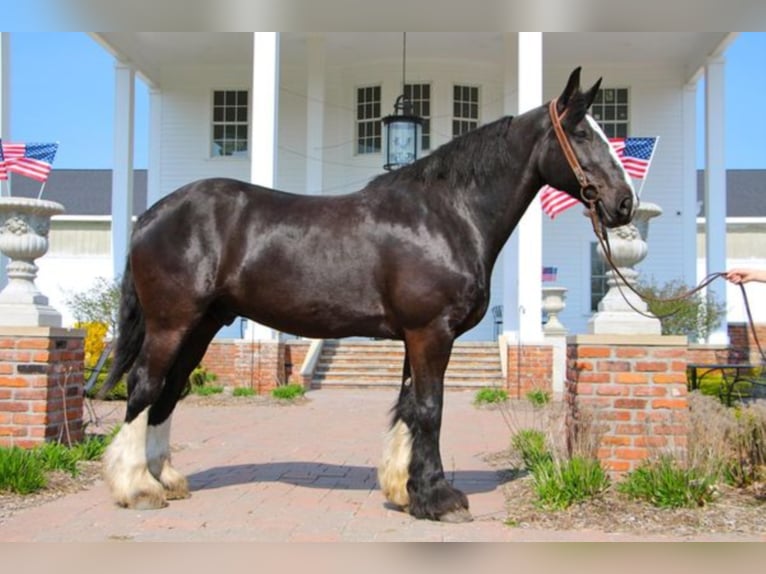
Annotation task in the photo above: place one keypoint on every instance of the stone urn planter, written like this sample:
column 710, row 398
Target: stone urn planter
column 554, row 298
column 628, row 245
column 24, row 226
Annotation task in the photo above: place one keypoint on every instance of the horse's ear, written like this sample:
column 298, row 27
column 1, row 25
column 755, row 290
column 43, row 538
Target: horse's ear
column 572, row 86
column 590, row 95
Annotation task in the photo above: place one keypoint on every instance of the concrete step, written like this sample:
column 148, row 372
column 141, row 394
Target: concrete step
column 378, row 364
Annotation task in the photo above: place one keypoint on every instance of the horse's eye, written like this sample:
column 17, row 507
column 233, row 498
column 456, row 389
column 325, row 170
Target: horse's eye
column 581, row 134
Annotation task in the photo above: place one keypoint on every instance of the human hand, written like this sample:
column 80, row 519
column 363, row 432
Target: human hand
column 745, row 275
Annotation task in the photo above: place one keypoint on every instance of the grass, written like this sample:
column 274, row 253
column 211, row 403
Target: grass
column 490, row 395
column 558, row 484
column 243, row 392
column 539, row 398
column 666, row 484
column 288, row 392
column 206, row 391
column 23, row 471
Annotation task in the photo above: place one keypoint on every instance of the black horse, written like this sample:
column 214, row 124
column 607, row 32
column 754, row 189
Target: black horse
column 408, row 257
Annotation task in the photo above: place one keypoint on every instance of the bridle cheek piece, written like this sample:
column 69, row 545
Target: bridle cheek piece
column 588, row 191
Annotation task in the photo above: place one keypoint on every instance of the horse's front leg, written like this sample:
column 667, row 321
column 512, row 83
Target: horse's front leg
column 419, row 411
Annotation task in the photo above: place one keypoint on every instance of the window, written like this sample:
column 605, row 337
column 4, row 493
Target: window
column 465, row 109
column 610, row 110
column 230, row 123
column 598, row 279
column 419, row 96
column 368, row 126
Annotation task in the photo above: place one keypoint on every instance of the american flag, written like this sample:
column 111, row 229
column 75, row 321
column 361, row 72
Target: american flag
column 634, row 153
column 33, row 160
column 549, row 273
column 3, row 170
column 637, row 155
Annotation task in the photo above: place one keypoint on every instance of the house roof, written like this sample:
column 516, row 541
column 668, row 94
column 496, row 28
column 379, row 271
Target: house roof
column 82, row 191
column 746, row 189
column 89, row 191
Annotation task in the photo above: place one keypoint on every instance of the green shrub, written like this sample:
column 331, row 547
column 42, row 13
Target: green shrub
column 207, row 391
column 490, row 395
column 532, row 447
column 21, row 471
column 243, row 392
column 288, row 392
column 558, row 485
column 539, row 398
column 665, row 484
column 100, row 303
column 694, row 316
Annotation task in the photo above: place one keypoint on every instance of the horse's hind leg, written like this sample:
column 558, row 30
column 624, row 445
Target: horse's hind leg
column 420, row 409
column 125, row 461
column 161, row 412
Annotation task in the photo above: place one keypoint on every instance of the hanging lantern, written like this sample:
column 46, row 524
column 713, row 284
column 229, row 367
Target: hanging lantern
column 402, row 131
column 401, row 135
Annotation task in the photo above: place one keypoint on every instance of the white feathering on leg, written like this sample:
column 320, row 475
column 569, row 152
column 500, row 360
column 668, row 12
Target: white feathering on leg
column 158, row 460
column 125, row 467
column 393, row 472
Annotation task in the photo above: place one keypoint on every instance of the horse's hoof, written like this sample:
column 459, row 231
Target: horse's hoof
column 147, row 501
column 177, row 494
column 457, row 516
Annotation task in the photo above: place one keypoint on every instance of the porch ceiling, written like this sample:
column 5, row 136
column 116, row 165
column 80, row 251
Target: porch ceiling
column 150, row 52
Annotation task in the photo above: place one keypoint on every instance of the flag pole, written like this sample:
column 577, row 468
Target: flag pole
column 42, row 187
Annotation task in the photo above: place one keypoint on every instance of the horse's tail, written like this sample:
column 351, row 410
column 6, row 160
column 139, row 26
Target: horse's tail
column 130, row 334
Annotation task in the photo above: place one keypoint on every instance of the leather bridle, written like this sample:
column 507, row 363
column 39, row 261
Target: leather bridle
column 588, row 191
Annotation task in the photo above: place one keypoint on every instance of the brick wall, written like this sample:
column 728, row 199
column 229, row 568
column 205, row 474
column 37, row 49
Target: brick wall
column 743, row 346
column 635, row 389
column 530, row 367
column 41, row 385
column 259, row 365
column 295, row 353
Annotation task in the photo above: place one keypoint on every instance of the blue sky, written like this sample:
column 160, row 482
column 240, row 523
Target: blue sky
column 62, row 89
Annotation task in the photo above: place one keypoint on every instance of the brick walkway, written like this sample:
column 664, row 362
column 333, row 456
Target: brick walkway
column 298, row 473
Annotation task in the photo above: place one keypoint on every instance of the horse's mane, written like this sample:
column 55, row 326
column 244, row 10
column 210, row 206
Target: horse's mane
column 471, row 158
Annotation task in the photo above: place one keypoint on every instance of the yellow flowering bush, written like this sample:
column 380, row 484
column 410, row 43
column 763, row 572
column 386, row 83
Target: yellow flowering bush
column 95, row 341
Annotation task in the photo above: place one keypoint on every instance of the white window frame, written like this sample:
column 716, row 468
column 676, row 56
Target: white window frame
column 235, row 122
column 370, row 123
column 463, row 122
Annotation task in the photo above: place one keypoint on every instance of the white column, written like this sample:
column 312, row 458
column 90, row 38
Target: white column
column 689, row 202
column 153, row 180
column 509, row 258
column 5, row 120
column 522, row 307
column 715, row 185
column 122, row 169
column 315, row 81
column 264, row 113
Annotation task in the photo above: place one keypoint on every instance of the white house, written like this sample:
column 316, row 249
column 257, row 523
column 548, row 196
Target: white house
column 300, row 112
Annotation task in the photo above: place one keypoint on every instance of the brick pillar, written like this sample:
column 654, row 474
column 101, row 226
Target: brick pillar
column 529, row 368
column 635, row 386
column 41, row 385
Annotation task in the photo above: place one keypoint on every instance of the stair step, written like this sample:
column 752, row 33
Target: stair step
column 378, row 364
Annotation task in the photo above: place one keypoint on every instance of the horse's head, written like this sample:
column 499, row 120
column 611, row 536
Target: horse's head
column 579, row 159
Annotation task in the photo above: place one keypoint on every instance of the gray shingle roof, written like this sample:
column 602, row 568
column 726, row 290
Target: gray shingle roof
column 81, row 191
column 746, row 190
